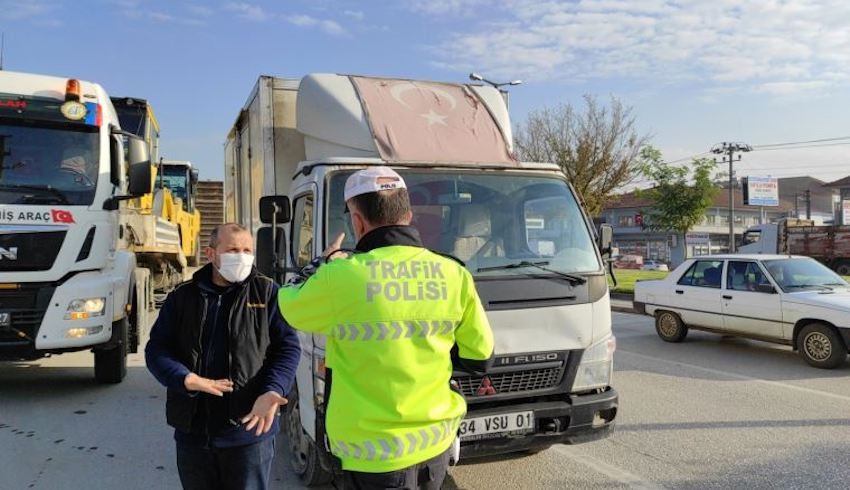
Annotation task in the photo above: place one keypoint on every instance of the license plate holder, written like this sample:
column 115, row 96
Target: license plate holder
column 496, row 425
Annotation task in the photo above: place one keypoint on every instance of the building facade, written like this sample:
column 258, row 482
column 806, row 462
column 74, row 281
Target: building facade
column 626, row 213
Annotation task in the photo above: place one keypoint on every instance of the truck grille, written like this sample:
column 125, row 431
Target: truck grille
column 26, row 307
column 34, row 251
column 512, row 382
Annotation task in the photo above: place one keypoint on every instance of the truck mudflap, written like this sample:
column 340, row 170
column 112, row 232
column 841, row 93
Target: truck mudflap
column 579, row 419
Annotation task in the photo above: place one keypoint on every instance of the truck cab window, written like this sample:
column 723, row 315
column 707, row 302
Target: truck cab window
column 302, row 230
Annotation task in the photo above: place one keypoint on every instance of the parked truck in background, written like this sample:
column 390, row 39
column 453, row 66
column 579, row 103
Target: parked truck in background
column 518, row 227
column 830, row 244
column 174, row 183
column 78, row 263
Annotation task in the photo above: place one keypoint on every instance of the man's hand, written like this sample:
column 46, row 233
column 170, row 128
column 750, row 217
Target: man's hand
column 333, row 247
column 217, row 387
column 264, row 411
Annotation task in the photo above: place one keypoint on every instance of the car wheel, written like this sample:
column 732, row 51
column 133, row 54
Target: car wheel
column 670, row 327
column 821, row 346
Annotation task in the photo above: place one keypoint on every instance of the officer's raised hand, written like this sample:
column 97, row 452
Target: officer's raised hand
column 264, row 411
column 333, row 252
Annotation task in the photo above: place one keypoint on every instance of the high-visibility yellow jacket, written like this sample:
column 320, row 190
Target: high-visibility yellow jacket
column 391, row 316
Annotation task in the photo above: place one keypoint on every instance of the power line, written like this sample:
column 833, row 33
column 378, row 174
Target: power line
column 802, row 142
column 802, row 146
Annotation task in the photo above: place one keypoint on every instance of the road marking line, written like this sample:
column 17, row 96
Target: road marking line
column 613, row 472
column 742, row 377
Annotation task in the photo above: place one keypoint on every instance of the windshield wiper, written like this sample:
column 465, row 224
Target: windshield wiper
column 50, row 190
column 574, row 279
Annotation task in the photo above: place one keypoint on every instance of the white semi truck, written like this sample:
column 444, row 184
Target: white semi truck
column 71, row 247
column 518, row 227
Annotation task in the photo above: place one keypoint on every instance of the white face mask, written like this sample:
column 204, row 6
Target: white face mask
column 235, row 267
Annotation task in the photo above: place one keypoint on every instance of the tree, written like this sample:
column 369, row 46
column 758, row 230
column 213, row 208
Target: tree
column 597, row 149
column 680, row 194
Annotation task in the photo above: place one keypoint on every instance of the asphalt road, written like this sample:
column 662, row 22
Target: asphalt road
column 711, row 412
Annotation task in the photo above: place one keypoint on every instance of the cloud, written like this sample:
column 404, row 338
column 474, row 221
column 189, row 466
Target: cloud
column 355, row 14
column 247, row 11
column 13, row 10
column 771, row 46
column 326, row 25
column 442, row 7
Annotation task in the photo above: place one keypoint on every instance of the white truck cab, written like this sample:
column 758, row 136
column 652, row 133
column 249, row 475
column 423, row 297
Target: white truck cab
column 518, row 227
column 68, row 275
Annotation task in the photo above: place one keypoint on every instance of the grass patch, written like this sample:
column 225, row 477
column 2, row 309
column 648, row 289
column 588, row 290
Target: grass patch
column 626, row 279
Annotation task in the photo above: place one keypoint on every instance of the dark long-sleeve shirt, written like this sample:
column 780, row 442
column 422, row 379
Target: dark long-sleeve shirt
column 213, row 425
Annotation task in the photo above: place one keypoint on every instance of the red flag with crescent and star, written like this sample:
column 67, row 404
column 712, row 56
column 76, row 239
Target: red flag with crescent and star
column 429, row 121
column 62, row 216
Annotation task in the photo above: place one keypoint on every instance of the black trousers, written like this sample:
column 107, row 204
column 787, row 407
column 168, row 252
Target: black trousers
column 428, row 475
column 232, row 468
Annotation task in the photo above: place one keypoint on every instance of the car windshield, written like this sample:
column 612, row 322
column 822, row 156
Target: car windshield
column 47, row 164
column 490, row 221
column 802, row 274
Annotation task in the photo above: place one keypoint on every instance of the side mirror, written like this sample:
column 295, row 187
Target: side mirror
column 270, row 248
column 194, row 176
column 137, row 151
column 606, row 240
column 766, row 288
column 140, row 179
column 275, row 209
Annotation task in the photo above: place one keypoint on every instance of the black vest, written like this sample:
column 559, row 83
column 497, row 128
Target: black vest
column 248, row 332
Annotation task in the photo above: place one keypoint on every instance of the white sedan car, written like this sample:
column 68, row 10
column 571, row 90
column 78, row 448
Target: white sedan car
column 784, row 299
column 654, row 265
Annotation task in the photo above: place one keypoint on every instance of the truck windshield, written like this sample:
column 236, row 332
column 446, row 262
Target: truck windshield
column 47, row 165
column 490, row 221
column 802, row 274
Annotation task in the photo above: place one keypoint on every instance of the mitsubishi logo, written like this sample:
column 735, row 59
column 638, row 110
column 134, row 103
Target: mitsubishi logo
column 5, row 319
column 486, row 387
column 10, row 253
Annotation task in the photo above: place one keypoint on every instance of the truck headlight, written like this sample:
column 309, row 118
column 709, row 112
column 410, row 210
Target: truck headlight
column 80, row 309
column 597, row 365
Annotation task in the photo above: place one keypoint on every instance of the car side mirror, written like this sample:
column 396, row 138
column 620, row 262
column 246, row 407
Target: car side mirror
column 766, row 288
column 606, row 240
column 275, row 209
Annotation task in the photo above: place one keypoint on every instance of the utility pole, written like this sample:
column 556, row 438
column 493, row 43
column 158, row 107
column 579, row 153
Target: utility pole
column 808, row 204
column 728, row 150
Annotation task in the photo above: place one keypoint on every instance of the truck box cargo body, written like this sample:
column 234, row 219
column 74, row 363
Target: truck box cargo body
column 452, row 144
column 830, row 244
column 68, row 275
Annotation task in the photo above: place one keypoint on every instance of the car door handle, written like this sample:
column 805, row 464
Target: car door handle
column 679, row 291
column 726, row 296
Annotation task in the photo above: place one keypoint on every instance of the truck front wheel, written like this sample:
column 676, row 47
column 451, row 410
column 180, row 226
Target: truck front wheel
column 110, row 365
column 303, row 453
column 821, row 346
column 843, row 268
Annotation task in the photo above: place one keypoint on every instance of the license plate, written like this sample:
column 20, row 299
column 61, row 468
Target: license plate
column 496, row 425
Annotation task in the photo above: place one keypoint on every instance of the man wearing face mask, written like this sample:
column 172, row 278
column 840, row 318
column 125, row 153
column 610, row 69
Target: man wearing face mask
column 228, row 360
column 393, row 313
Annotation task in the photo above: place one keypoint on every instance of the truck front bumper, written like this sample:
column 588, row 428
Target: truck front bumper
column 578, row 419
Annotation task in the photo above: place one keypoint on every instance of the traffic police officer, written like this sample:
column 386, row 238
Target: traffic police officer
column 392, row 312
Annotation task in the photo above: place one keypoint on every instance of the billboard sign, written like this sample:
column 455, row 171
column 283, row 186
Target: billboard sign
column 761, row 191
column 698, row 238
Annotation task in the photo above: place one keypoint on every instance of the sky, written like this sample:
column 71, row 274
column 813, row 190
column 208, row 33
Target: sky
column 695, row 72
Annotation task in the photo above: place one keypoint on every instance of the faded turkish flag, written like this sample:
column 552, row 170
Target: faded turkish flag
column 62, row 216
column 429, row 121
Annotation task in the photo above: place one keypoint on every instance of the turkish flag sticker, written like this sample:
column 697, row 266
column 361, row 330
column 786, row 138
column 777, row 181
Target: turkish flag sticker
column 62, row 216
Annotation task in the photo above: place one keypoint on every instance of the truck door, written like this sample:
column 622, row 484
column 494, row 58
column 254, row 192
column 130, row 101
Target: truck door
column 697, row 294
column 746, row 309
